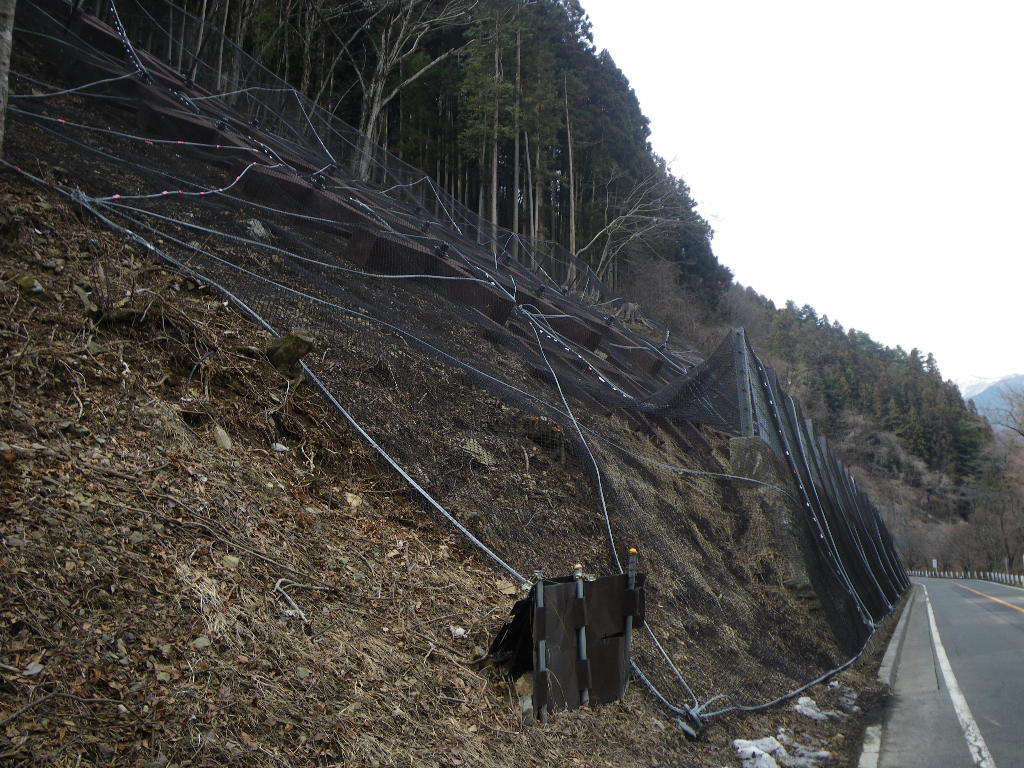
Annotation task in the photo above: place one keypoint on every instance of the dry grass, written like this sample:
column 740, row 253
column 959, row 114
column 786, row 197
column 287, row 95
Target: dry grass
column 140, row 559
column 144, row 618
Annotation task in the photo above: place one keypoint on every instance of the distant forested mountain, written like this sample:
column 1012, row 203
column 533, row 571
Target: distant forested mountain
column 838, row 372
column 991, row 400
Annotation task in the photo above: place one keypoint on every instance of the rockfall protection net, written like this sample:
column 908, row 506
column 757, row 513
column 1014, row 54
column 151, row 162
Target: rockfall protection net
column 498, row 380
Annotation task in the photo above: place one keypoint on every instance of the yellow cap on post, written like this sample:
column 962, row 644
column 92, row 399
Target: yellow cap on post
column 632, row 550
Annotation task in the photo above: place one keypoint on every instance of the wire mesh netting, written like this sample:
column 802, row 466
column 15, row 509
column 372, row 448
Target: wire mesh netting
column 493, row 371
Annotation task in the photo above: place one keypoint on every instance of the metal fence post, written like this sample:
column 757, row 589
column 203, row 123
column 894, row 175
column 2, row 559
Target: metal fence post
column 541, row 664
column 581, row 634
column 631, row 585
column 743, row 394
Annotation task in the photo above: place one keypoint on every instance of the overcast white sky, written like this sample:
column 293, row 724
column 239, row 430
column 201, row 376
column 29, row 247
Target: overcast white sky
column 865, row 158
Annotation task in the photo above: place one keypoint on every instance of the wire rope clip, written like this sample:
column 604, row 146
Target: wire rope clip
column 318, row 181
column 687, row 729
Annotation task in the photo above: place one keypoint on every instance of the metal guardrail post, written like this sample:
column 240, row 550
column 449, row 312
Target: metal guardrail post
column 631, row 585
column 743, row 394
column 581, row 633
column 541, row 663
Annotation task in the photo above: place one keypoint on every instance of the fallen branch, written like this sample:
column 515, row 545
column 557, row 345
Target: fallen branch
column 227, row 541
column 47, row 697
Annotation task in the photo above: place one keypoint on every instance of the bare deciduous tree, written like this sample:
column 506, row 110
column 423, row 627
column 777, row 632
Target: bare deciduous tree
column 999, row 515
column 391, row 38
column 641, row 213
column 1010, row 415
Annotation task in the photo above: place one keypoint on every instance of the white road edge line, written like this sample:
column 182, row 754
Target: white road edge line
column 975, row 741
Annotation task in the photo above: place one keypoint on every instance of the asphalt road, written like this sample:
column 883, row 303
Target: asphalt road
column 959, row 679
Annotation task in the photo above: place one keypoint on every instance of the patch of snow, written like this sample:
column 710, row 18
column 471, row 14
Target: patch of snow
column 847, row 698
column 759, row 753
column 804, row 755
column 808, row 707
column 770, row 752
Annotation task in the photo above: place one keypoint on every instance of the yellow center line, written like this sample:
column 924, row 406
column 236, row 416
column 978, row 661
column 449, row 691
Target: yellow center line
column 993, row 599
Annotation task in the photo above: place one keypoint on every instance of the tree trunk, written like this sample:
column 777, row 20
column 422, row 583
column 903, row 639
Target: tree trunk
column 494, row 151
column 170, row 34
column 235, row 74
column 538, row 196
column 396, row 41
column 529, row 210
column 480, row 193
column 529, row 187
column 553, row 203
column 6, row 40
column 200, row 34
column 285, row 60
column 515, row 140
column 570, row 275
column 182, row 33
column 306, row 83
column 369, row 128
column 572, row 177
column 458, row 177
column 220, row 47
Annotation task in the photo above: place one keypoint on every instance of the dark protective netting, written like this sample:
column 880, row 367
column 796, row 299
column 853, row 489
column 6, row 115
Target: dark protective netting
column 710, row 394
column 497, row 373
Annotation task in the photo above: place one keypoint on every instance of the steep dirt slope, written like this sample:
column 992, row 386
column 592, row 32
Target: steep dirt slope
column 202, row 567
column 480, row 406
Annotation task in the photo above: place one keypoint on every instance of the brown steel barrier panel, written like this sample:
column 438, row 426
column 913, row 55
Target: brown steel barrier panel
column 569, row 667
